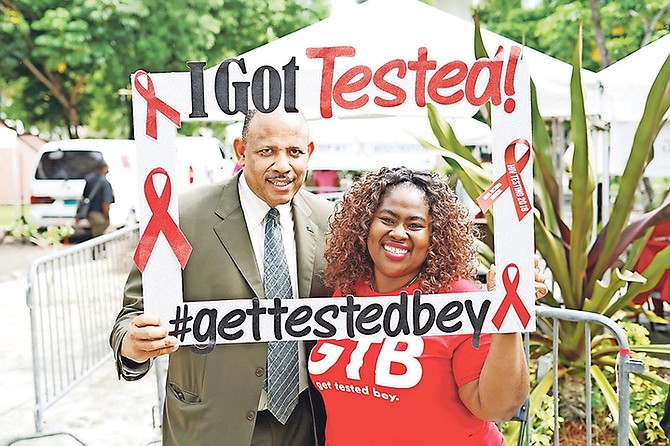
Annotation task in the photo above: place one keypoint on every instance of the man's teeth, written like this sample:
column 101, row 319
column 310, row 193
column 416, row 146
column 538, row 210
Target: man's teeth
column 280, row 182
column 394, row 250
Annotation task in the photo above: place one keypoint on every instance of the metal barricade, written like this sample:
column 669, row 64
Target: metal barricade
column 73, row 296
column 71, row 318
column 625, row 365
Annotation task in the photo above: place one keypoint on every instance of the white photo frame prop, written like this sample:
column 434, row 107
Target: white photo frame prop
column 337, row 82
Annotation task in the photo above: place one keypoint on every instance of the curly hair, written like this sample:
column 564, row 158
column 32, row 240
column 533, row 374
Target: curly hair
column 452, row 241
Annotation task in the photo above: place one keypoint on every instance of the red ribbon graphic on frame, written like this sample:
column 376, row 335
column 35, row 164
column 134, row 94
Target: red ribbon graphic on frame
column 511, row 179
column 154, row 104
column 511, row 299
column 160, row 221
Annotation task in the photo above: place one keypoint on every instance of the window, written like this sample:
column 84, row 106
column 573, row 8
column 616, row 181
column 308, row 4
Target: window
column 67, row 164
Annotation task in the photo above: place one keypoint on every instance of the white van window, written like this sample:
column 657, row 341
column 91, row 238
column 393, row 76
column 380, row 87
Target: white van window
column 66, row 164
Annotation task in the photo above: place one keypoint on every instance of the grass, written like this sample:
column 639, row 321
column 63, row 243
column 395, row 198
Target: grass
column 8, row 214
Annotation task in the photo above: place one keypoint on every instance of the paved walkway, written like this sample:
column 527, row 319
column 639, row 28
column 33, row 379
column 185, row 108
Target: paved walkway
column 100, row 411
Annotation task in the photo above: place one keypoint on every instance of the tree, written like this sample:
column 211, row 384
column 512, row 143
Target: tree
column 67, row 59
column 612, row 29
column 57, row 47
column 598, row 32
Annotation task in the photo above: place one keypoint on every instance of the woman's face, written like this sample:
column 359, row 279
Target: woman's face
column 399, row 237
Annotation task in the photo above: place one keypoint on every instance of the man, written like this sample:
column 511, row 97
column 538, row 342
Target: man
column 219, row 397
column 101, row 195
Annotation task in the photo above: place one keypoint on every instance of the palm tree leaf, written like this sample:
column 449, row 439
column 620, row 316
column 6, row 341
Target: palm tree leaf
column 657, row 104
column 582, row 185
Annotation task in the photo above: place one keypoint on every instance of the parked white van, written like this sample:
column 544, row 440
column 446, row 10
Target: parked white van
column 58, row 182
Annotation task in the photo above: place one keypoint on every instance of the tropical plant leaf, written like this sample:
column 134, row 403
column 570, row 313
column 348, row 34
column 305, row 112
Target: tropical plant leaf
column 611, row 400
column 541, row 137
column 480, row 52
column 445, row 135
column 603, row 293
column 639, row 244
column 654, row 379
column 553, row 252
column 582, row 185
column 641, row 225
column 544, row 174
column 474, row 178
column 657, row 104
column 486, row 256
column 652, row 317
column 636, row 229
column 466, row 167
column 660, row 350
column 542, row 388
column 653, row 272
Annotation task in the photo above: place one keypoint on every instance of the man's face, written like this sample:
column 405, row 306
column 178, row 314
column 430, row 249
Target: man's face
column 274, row 155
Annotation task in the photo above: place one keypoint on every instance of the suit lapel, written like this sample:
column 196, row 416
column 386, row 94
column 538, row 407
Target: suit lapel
column 305, row 239
column 234, row 236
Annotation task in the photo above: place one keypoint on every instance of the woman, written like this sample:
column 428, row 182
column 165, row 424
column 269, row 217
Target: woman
column 397, row 230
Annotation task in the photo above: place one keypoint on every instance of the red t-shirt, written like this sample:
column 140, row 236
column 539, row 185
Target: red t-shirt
column 392, row 391
column 659, row 239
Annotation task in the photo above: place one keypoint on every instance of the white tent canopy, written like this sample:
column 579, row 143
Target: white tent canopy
column 382, row 30
column 626, row 85
column 367, row 143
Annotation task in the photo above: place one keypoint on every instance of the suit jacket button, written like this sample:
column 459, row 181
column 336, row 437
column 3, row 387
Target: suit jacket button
column 251, row 415
column 260, row 371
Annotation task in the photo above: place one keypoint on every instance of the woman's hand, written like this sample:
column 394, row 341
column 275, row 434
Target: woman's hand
column 504, row 380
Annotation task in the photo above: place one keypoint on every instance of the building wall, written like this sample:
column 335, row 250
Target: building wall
column 16, row 169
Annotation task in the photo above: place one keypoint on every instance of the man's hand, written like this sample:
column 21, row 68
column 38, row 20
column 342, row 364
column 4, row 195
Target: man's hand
column 541, row 289
column 146, row 339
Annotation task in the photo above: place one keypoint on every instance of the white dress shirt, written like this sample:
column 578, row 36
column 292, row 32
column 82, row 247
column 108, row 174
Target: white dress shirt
column 255, row 210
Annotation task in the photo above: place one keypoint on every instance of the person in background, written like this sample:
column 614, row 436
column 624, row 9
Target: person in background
column 398, row 230
column 101, row 195
column 326, row 181
column 660, row 293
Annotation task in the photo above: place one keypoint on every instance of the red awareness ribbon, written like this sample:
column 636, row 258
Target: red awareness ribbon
column 154, row 104
column 511, row 299
column 511, row 179
column 160, row 221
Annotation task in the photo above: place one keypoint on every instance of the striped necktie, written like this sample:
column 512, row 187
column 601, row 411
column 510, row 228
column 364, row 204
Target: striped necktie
column 282, row 382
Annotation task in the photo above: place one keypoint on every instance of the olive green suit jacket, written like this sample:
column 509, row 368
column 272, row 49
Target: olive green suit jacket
column 212, row 399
